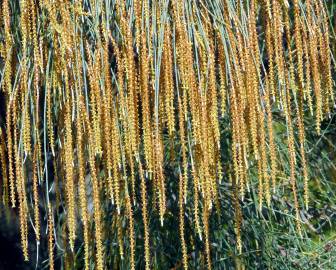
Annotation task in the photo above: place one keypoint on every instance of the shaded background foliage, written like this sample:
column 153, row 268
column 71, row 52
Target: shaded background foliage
column 270, row 239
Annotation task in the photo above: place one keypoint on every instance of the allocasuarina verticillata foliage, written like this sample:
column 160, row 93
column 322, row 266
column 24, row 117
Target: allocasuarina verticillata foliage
column 105, row 99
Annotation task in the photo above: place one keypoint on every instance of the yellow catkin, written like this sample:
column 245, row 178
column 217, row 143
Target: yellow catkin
column 49, row 120
column 254, row 34
column 213, row 99
column 10, row 154
column 251, row 100
column 235, row 142
column 8, row 47
column 238, row 218
column 221, row 71
column 205, row 160
column 298, row 42
column 26, row 124
column 302, row 150
column 270, row 52
column 326, row 52
column 260, row 184
column 107, row 145
column 24, row 30
column 137, row 15
column 144, row 216
column 181, row 218
column 263, row 157
column 131, row 232
column 238, row 99
column 50, row 238
column 5, row 194
column 132, row 95
column 182, row 139
column 21, row 191
column 107, row 117
column 96, row 195
column 36, row 197
column 272, row 150
column 115, row 132
column 36, row 54
column 292, row 158
column 307, row 89
column 316, row 80
column 196, row 202
column 206, row 235
column 98, row 98
column 94, row 95
column 159, row 174
column 290, row 61
column 168, row 82
column 311, row 39
column 120, row 237
column 145, row 103
column 82, row 184
column 116, row 161
column 277, row 39
column 68, row 156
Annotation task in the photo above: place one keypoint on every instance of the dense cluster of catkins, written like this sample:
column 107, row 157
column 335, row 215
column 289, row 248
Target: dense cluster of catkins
column 105, row 93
